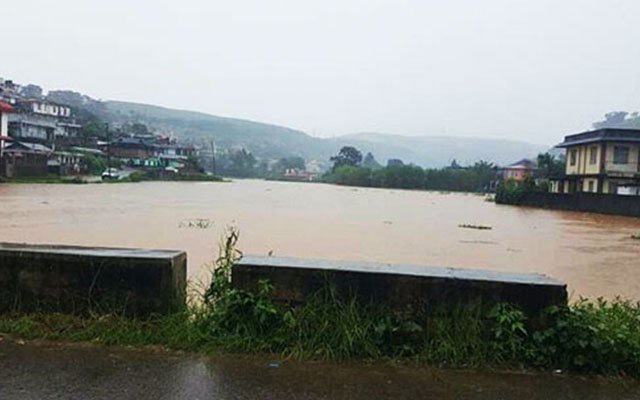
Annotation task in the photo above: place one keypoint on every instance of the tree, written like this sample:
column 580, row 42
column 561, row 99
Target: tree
column 370, row 162
column 549, row 167
column 394, row 162
column 347, row 156
column 286, row 163
column 240, row 163
column 614, row 119
column 139, row 129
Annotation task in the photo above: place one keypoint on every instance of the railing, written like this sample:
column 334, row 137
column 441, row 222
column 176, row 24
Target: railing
column 622, row 169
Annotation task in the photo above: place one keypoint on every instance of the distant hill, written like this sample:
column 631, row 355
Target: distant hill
column 273, row 142
column 438, row 151
column 264, row 140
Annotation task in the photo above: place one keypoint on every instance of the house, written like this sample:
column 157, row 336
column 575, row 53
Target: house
column 5, row 110
column 601, row 161
column 65, row 162
column 40, row 121
column 24, row 159
column 519, row 170
column 130, row 148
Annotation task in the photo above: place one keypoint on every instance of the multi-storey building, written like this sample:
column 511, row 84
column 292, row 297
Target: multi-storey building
column 601, row 161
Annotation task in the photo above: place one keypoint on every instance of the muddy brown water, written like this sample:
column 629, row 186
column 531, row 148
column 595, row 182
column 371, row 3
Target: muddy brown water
column 594, row 254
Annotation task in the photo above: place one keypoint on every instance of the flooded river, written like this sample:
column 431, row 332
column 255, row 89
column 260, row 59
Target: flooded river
column 594, row 254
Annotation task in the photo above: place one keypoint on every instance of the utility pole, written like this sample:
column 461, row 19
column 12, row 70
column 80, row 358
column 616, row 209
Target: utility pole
column 106, row 130
column 213, row 156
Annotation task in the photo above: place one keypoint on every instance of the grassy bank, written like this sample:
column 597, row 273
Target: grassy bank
column 134, row 177
column 587, row 337
column 45, row 179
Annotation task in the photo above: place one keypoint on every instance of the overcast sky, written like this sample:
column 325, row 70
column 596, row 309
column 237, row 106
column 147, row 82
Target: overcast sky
column 528, row 70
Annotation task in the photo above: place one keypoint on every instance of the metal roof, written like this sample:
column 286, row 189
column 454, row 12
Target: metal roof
column 602, row 135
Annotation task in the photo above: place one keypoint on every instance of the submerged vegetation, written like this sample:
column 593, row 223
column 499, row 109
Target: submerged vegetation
column 587, row 337
column 479, row 227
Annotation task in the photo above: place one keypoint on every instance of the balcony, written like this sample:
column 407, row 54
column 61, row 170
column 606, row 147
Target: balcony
column 622, row 170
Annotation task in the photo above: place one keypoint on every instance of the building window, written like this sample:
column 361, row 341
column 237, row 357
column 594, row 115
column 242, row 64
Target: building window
column 621, row 155
column 591, row 187
column 572, row 157
column 593, row 155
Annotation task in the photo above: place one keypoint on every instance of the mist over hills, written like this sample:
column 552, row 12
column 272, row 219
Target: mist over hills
column 272, row 141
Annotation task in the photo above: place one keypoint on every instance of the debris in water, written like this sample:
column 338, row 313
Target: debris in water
column 274, row 364
column 480, row 227
column 200, row 223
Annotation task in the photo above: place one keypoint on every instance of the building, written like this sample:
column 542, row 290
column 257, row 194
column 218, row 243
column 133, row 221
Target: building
column 601, row 161
column 129, row 148
column 24, row 159
column 5, row 110
column 40, row 121
column 65, row 163
column 519, row 170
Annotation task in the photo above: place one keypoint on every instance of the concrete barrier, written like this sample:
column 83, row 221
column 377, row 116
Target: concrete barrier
column 585, row 202
column 400, row 286
column 74, row 279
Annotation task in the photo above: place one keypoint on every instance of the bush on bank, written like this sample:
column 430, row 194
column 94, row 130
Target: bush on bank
column 587, row 337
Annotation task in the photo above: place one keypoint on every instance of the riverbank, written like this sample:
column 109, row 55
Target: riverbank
column 130, row 178
column 586, row 338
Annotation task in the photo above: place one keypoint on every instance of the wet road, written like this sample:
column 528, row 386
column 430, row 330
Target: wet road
column 54, row 371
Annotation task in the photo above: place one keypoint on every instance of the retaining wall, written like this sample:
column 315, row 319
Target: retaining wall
column 585, row 202
column 400, row 286
column 74, row 279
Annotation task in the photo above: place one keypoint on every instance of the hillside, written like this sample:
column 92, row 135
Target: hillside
column 264, row 140
column 268, row 141
column 438, row 151
column 271, row 141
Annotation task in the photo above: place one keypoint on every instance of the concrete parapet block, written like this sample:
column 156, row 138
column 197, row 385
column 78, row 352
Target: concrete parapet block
column 400, row 286
column 73, row 279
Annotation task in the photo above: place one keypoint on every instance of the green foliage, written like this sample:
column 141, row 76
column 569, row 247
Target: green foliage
column 347, row 156
column 601, row 337
column 95, row 164
column 398, row 175
column 549, row 167
column 370, row 162
column 514, row 192
column 289, row 163
column 239, row 163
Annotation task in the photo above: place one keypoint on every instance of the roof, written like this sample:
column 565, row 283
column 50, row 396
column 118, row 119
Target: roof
column 525, row 163
column 87, row 150
column 601, row 135
column 33, row 147
column 5, row 107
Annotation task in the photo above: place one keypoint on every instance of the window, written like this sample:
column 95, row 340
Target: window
column 591, row 186
column 572, row 157
column 593, row 155
column 620, row 155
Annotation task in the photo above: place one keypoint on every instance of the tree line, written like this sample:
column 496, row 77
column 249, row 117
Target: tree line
column 349, row 168
column 352, row 169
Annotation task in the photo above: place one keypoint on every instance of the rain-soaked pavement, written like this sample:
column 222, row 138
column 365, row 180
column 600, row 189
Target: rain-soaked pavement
column 54, row 371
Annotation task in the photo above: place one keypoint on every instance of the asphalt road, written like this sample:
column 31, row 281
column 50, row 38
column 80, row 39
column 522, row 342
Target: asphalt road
column 54, row 371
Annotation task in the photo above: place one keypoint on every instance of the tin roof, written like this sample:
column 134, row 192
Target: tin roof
column 601, row 135
column 5, row 107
